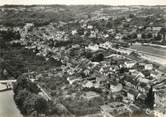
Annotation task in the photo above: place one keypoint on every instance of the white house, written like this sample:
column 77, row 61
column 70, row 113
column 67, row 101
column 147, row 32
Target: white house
column 93, row 47
column 148, row 67
column 129, row 64
column 89, row 27
column 116, row 88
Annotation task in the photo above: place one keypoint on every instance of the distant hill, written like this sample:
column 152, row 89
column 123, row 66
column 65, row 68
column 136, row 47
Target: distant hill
column 18, row 15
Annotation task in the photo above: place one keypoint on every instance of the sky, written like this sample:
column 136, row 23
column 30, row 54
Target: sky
column 84, row 2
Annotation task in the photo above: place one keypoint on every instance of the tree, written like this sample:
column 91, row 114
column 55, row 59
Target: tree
column 80, row 31
column 34, row 103
column 29, row 104
column 98, row 57
column 20, row 98
column 149, row 101
column 123, row 70
column 27, row 99
column 131, row 15
column 24, row 83
column 146, row 73
column 7, row 36
column 163, row 33
column 41, row 105
column 158, row 37
column 109, row 24
column 133, row 35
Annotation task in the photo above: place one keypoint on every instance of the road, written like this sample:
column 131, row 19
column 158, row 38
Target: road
column 7, row 81
column 8, row 107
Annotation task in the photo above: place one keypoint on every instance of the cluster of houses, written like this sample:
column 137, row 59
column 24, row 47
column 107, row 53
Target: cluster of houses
column 125, row 30
column 117, row 79
column 107, row 73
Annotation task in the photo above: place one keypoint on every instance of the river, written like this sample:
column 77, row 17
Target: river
column 160, row 52
column 151, row 53
column 8, row 107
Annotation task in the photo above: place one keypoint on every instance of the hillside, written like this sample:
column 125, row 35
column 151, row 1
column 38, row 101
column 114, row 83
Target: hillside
column 17, row 15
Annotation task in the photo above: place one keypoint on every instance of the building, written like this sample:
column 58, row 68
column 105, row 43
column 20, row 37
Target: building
column 115, row 109
column 73, row 79
column 130, row 64
column 136, row 73
column 140, row 99
column 93, row 48
column 156, row 30
column 90, row 95
column 143, row 88
column 116, row 88
column 131, row 93
column 148, row 66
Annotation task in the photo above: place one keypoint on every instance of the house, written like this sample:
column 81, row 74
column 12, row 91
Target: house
column 101, row 79
column 130, row 81
column 140, row 66
column 93, row 48
column 148, row 66
column 75, row 46
column 90, row 95
column 132, row 94
column 28, row 27
column 136, row 73
column 143, row 80
column 93, row 34
column 116, row 88
column 160, row 97
column 72, row 80
column 141, row 98
column 106, row 35
column 154, row 74
column 149, row 28
column 143, row 87
column 128, row 19
column 134, row 109
column 95, row 82
column 129, row 64
column 113, row 109
column 89, row 27
column 114, row 68
column 118, row 36
column 114, row 56
column 117, row 96
column 61, row 24
column 139, row 35
column 88, row 84
column 106, row 45
column 156, row 30
column 74, row 32
column 106, row 111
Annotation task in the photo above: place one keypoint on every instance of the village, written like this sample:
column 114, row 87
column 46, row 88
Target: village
column 92, row 65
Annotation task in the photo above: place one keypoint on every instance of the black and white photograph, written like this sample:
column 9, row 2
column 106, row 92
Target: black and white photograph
column 82, row 58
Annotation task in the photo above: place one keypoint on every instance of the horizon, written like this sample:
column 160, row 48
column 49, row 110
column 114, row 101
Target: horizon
column 75, row 5
column 84, row 2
